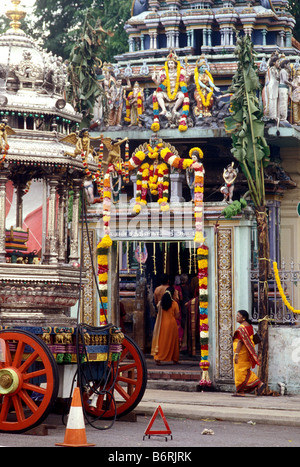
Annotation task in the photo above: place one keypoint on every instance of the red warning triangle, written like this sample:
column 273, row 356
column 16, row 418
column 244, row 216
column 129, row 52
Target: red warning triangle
column 158, row 432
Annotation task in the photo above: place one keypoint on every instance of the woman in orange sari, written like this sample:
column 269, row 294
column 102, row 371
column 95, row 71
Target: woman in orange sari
column 165, row 341
column 245, row 357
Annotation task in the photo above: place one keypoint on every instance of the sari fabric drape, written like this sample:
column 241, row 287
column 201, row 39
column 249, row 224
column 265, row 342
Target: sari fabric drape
column 245, row 379
column 165, row 341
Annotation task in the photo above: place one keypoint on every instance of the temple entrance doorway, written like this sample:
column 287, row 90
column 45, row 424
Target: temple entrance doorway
column 141, row 269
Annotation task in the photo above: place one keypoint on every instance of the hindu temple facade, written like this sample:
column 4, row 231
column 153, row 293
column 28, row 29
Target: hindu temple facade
column 182, row 46
column 196, row 36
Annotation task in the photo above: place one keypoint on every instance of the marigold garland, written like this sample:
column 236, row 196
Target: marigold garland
column 281, row 291
column 202, row 257
column 5, row 153
column 102, row 258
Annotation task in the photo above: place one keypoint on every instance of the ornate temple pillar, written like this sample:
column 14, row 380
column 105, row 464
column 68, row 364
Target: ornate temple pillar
column 51, row 240
column 288, row 38
column 74, row 253
column 20, row 191
column 3, row 181
column 264, row 37
column 176, row 180
column 282, row 36
column 61, row 224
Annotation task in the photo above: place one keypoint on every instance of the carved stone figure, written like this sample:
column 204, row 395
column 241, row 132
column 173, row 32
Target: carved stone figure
column 169, row 93
column 135, row 105
column 82, row 143
column 283, row 91
column 114, row 149
column 116, row 101
column 4, row 131
column 229, row 176
column 295, row 98
column 205, row 88
column 270, row 91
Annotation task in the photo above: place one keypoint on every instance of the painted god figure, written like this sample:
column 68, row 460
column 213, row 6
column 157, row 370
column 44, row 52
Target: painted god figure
column 115, row 101
column 284, row 89
column 135, row 105
column 229, row 176
column 295, row 98
column 270, row 91
column 171, row 93
column 205, row 88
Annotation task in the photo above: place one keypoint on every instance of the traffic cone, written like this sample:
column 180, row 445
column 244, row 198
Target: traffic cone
column 75, row 435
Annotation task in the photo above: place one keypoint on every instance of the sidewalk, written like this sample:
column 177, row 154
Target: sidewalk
column 275, row 410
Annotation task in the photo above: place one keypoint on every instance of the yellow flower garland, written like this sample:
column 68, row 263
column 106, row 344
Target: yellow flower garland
column 280, row 289
column 172, row 96
column 205, row 102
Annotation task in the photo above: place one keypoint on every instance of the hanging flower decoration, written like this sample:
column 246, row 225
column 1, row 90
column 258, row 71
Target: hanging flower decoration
column 165, row 86
column 102, row 258
column 6, row 148
column 157, row 179
column 126, row 168
column 281, row 291
column 141, row 187
column 198, row 198
column 163, row 186
column 202, row 257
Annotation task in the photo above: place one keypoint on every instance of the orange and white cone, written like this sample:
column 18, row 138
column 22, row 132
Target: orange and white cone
column 75, row 435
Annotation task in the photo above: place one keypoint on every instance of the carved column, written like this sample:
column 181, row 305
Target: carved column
column 3, row 181
column 51, row 240
column 20, row 190
column 224, row 300
column 74, row 253
column 61, row 224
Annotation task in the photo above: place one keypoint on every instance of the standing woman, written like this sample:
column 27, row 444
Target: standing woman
column 165, row 342
column 245, row 357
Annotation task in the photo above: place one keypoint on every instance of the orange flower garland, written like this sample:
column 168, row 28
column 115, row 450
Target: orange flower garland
column 4, row 154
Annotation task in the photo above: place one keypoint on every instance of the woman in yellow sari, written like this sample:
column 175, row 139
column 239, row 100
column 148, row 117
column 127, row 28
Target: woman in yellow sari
column 245, row 357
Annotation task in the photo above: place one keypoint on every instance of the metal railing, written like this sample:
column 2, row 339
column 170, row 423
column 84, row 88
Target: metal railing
column 278, row 311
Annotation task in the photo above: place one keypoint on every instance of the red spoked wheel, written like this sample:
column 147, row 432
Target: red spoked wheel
column 28, row 381
column 128, row 380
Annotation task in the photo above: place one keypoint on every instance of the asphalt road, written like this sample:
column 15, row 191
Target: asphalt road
column 187, row 436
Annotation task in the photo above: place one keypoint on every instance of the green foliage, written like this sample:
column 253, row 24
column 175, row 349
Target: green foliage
column 234, row 208
column 84, row 88
column 245, row 125
column 58, row 24
column 294, row 8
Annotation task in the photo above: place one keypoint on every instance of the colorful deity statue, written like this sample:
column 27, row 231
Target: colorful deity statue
column 229, row 176
column 135, row 105
column 205, row 88
column 171, row 97
column 295, row 98
column 115, row 97
column 270, row 90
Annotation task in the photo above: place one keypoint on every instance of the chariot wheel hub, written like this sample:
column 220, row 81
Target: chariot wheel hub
column 9, row 381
